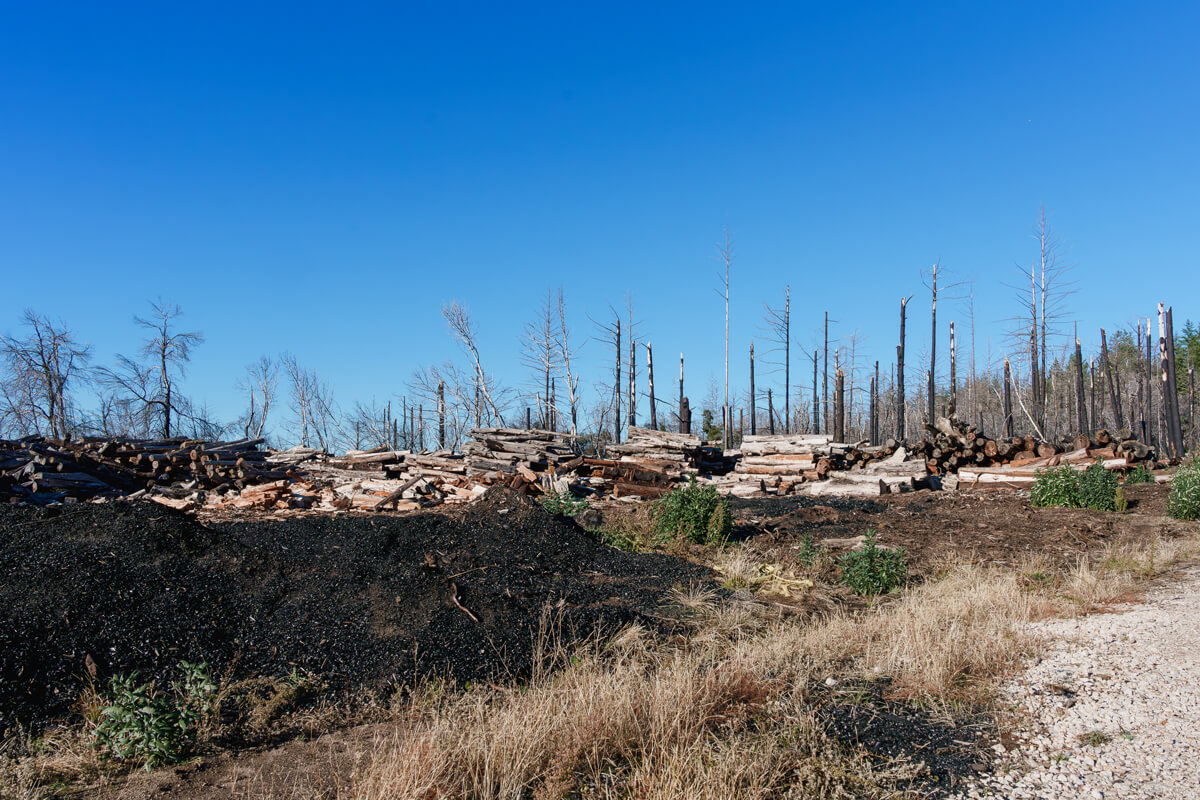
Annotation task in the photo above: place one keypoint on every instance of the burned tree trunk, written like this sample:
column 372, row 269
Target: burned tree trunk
column 632, row 380
column 825, row 378
column 816, row 404
column 753, row 417
column 953, row 373
column 650, row 384
column 900, row 400
column 617, row 385
column 839, row 411
column 1081, row 417
column 681, row 398
column 1008, row 408
column 1111, row 380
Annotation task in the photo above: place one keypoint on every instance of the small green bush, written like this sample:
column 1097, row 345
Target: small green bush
column 563, row 504
column 696, row 513
column 1098, row 488
column 810, row 553
column 1184, row 502
column 1056, row 486
column 139, row 722
column 874, row 569
column 1139, row 474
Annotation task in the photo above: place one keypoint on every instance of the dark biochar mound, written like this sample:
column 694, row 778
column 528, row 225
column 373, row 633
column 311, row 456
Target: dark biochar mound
column 893, row 730
column 365, row 601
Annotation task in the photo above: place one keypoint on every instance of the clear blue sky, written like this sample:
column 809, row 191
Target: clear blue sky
column 321, row 177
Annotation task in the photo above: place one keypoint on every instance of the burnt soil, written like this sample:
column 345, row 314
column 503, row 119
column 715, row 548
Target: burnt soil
column 998, row 527
column 365, row 601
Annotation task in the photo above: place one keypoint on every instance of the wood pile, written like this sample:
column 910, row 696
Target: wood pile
column 42, row 470
column 814, row 464
column 956, row 448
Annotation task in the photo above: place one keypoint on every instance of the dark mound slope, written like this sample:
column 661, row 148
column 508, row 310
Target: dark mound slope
column 366, row 600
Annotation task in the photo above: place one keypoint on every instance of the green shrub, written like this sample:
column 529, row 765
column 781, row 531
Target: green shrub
column 139, row 722
column 1098, row 488
column 1120, row 504
column 1139, row 474
column 1056, row 486
column 563, row 504
column 696, row 513
column 810, row 553
column 1184, row 502
column 874, row 569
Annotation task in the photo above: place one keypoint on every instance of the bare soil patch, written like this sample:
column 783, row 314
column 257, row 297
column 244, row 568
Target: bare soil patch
column 998, row 527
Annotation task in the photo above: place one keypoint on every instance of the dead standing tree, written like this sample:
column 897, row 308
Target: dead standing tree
column 540, row 354
column 313, row 405
column 778, row 324
column 901, row 408
column 565, row 352
column 150, row 389
column 462, row 330
column 726, row 252
column 39, row 370
column 260, row 383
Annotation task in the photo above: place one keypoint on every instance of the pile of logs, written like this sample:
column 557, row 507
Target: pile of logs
column 1021, row 467
column 42, row 470
column 954, row 447
column 815, row 464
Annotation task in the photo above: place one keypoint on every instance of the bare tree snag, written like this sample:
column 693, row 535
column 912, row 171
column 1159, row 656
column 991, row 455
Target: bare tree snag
column 816, row 402
column 901, row 409
column 753, row 410
column 441, row 401
column 1081, row 417
column 679, row 415
column 1113, row 391
column 1008, row 408
column 839, row 406
column 650, row 383
column 953, row 373
column 932, row 372
column 825, row 379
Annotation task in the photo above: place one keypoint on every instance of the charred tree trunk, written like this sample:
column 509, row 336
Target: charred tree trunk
column 1113, row 393
column 1081, row 417
column 441, row 400
column 617, row 385
column 839, row 410
column 632, row 380
column 650, row 385
column 770, row 412
column 953, row 374
column 900, row 399
column 787, row 361
column 753, row 409
column 825, row 378
column 680, row 415
column 1008, row 408
column 816, row 405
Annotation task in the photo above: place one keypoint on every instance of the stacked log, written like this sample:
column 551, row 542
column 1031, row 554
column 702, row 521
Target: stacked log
column 956, row 448
column 42, row 470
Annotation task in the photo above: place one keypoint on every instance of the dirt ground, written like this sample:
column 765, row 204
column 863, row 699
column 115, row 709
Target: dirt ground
column 547, row 560
column 998, row 526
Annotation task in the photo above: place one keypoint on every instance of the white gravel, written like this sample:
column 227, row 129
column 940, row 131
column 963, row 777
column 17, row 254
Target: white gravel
column 1112, row 710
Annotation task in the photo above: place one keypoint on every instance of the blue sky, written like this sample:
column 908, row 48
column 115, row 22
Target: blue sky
column 318, row 179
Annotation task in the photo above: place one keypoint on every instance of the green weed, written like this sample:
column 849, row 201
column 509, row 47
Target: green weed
column 873, row 569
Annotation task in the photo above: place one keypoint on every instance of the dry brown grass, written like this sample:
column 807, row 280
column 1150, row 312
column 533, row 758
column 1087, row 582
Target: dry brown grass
column 726, row 714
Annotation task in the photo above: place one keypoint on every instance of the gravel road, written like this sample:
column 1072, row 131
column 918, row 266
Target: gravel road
column 1112, row 709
